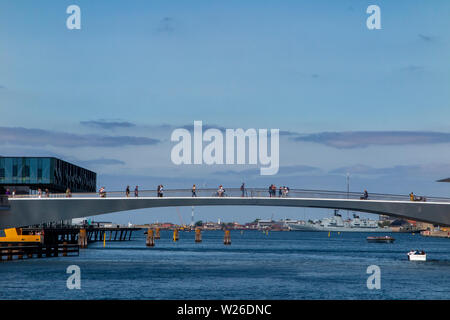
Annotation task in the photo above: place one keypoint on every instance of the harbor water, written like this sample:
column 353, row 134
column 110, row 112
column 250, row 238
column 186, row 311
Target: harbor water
column 277, row 265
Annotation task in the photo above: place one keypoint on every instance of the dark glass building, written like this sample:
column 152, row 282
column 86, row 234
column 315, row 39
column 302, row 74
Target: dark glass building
column 25, row 174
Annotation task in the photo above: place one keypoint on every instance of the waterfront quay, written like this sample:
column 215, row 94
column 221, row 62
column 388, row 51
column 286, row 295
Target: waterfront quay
column 10, row 251
column 62, row 240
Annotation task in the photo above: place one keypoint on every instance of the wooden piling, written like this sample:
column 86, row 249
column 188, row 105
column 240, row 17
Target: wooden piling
column 9, row 257
column 227, row 237
column 82, row 239
column 150, row 242
column 198, row 235
column 64, row 249
column 20, row 252
column 39, row 251
column 157, row 235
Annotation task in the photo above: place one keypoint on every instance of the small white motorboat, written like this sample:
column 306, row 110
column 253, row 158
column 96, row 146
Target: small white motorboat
column 416, row 255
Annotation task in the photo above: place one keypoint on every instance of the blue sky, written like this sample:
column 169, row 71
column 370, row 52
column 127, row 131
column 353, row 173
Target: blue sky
column 374, row 103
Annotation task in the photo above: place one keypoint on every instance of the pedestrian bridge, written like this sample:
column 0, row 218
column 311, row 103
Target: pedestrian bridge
column 32, row 209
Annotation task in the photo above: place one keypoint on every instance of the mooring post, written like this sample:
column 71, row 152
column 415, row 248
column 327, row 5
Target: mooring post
column 227, row 237
column 20, row 252
column 150, row 238
column 157, row 236
column 64, row 249
column 175, row 235
column 82, row 240
column 9, row 252
column 29, row 253
column 198, row 235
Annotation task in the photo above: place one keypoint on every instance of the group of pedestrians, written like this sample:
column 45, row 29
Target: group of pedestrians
column 136, row 191
column 9, row 194
column 45, row 194
column 282, row 191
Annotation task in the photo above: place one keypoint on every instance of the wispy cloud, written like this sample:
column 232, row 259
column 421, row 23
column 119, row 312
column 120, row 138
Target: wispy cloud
column 426, row 38
column 107, row 124
column 166, row 25
column 361, row 139
column 39, row 137
column 438, row 170
column 284, row 170
column 100, row 162
column 412, row 68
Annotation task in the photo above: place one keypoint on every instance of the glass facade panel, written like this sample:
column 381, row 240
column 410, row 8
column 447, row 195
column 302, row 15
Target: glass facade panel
column 51, row 173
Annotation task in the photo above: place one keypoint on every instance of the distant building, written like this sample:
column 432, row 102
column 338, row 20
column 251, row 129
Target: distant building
column 27, row 174
column 265, row 224
column 383, row 217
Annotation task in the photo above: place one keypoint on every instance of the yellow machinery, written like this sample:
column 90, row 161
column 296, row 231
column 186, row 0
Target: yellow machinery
column 15, row 235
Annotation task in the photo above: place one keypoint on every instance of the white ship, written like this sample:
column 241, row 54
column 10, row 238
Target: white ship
column 337, row 224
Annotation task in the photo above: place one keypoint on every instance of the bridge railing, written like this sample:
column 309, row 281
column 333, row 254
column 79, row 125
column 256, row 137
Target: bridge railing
column 237, row 192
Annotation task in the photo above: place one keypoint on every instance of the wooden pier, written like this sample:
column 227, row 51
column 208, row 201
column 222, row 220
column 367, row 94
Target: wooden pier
column 71, row 234
column 18, row 251
column 33, row 242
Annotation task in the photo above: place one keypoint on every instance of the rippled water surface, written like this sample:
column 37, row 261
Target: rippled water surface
column 280, row 265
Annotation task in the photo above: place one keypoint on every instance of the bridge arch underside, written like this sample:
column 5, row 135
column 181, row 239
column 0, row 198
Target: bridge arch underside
column 24, row 212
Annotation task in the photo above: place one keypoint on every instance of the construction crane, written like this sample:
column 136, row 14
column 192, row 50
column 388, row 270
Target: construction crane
column 183, row 226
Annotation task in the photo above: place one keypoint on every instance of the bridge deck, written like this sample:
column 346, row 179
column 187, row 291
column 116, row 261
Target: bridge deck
column 29, row 210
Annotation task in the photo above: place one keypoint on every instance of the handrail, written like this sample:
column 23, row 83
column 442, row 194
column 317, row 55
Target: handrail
column 236, row 192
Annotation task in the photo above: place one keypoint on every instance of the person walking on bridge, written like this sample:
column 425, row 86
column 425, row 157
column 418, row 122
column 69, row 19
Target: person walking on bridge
column 194, row 189
column 160, row 191
column 127, row 191
column 243, row 189
column 136, row 192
